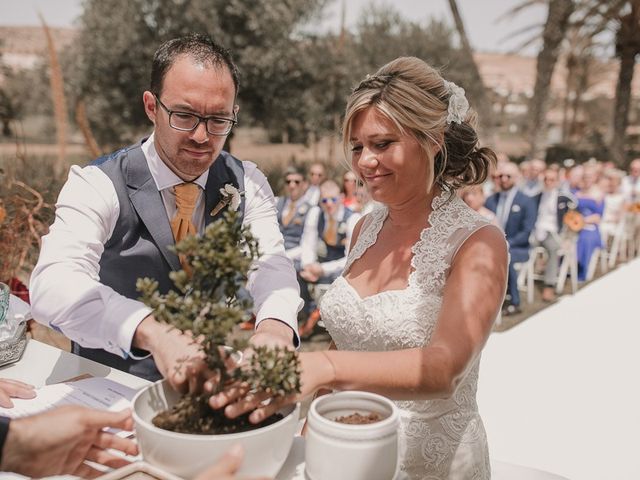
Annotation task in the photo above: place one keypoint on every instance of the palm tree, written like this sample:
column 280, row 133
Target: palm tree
column 483, row 103
column 554, row 32
column 627, row 48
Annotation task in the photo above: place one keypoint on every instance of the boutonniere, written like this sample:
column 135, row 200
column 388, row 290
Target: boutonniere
column 230, row 197
column 515, row 208
column 342, row 228
column 303, row 209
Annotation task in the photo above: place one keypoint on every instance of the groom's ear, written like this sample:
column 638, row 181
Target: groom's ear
column 150, row 105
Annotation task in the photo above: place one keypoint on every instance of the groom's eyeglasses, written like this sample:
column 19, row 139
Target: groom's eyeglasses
column 187, row 122
column 330, row 200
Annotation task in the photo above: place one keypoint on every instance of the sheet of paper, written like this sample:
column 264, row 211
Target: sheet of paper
column 94, row 392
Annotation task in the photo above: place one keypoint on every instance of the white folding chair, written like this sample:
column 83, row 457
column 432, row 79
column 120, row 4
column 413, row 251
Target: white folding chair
column 527, row 272
column 569, row 261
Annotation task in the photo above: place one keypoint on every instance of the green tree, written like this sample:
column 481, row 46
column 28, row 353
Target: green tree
column 113, row 54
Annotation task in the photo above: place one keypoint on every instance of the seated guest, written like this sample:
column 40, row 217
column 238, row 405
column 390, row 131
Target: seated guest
column 317, row 175
column 631, row 183
column 349, row 189
column 473, row 195
column 325, row 243
column 516, row 214
column 591, row 206
column 552, row 206
column 614, row 203
column 531, row 184
column 292, row 211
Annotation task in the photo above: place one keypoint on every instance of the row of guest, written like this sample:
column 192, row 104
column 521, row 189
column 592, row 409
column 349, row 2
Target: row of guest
column 536, row 219
column 317, row 237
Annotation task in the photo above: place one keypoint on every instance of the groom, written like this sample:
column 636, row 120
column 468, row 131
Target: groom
column 117, row 218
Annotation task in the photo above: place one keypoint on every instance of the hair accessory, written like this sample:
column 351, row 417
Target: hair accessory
column 458, row 103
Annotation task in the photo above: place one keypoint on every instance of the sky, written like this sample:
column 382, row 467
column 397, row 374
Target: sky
column 480, row 17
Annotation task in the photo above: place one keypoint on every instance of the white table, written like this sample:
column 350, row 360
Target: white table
column 42, row 364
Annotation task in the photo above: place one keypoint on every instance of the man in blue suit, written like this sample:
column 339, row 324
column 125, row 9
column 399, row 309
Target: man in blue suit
column 516, row 213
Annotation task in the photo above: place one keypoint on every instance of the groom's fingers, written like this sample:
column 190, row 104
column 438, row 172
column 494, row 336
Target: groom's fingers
column 245, row 404
column 265, row 412
column 228, row 395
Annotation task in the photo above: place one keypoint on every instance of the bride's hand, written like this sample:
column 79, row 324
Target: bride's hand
column 317, row 371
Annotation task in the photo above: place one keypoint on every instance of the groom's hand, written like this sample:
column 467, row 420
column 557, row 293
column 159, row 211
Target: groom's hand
column 177, row 355
column 237, row 398
column 272, row 333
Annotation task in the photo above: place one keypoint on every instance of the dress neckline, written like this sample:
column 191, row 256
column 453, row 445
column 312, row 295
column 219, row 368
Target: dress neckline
column 378, row 218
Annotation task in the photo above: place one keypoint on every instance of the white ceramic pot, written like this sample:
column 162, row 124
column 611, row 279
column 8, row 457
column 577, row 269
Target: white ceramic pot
column 186, row 455
column 336, row 450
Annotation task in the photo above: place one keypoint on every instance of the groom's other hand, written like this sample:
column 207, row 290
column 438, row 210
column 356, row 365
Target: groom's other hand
column 236, row 397
column 272, row 333
column 177, row 355
column 226, row 467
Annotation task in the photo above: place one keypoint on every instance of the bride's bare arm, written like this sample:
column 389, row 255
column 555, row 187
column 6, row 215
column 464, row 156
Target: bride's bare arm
column 472, row 298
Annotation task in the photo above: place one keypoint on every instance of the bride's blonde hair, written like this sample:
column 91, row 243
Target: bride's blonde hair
column 413, row 96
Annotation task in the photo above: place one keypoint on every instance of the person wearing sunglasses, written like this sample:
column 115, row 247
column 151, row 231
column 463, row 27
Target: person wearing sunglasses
column 325, row 244
column 516, row 214
column 317, row 175
column 118, row 219
column 293, row 210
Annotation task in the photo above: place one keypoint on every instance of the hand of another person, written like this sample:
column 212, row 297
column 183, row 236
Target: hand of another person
column 226, row 467
column 312, row 272
column 59, row 441
column 14, row 389
column 178, row 356
column 316, row 370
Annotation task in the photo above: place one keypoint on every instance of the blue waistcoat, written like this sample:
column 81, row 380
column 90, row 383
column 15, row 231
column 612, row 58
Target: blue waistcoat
column 139, row 244
column 292, row 233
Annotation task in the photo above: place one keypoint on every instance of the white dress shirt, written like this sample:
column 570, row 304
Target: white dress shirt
column 547, row 221
column 66, row 291
column 310, row 239
column 630, row 188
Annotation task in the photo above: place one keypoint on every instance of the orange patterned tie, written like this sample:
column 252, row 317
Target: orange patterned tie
column 331, row 233
column 291, row 211
column 186, row 197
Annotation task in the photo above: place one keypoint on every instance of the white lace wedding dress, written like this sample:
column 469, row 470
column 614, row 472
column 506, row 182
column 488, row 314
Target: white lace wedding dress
column 439, row 439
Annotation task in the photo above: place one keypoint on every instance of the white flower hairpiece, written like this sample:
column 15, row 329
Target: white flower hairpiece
column 230, row 196
column 458, row 103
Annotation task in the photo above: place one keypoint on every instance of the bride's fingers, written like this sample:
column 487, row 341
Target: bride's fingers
column 245, row 404
column 272, row 407
column 229, row 395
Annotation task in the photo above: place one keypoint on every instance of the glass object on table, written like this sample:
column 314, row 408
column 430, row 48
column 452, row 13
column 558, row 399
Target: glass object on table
column 14, row 314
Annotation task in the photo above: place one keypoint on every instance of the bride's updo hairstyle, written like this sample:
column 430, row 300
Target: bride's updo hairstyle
column 418, row 101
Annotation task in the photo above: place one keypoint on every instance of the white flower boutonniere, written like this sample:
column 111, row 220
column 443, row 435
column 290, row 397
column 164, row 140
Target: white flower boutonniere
column 230, row 197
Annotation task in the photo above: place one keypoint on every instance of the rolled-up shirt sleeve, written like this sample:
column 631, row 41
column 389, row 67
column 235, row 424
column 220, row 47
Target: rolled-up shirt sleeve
column 272, row 283
column 66, row 293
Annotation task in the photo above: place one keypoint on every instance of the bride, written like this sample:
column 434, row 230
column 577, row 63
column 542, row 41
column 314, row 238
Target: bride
column 425, row 276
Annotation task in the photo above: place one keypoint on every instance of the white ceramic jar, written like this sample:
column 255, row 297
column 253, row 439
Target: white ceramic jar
column 336, row 450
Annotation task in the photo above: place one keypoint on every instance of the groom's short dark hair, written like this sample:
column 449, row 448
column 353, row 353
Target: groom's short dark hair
column 199, row 47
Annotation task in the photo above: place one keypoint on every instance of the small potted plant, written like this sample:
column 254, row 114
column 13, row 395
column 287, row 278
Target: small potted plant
column 183, row 434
